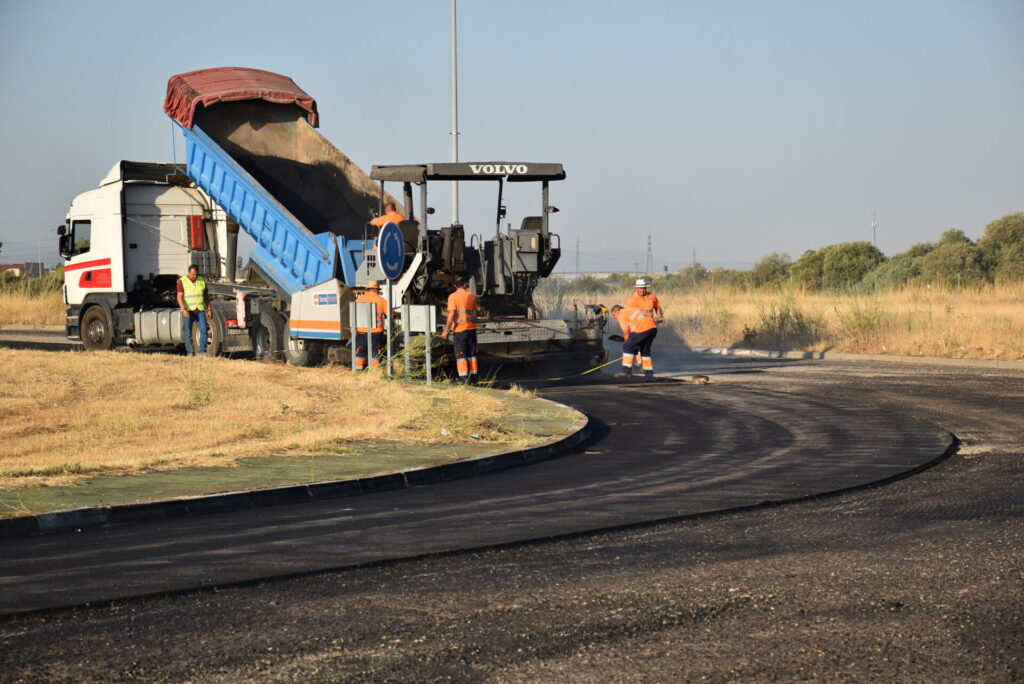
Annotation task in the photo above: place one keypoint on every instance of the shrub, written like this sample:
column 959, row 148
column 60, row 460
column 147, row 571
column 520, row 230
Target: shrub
column 782, row 325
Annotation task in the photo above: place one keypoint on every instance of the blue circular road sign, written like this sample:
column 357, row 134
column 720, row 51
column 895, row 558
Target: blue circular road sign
column 391, row 250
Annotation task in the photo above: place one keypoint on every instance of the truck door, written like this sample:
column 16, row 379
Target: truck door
column 88, row 269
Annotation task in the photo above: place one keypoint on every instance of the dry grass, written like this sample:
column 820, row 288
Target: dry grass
column 27, row 309
column 986, row 323
column 67, row 415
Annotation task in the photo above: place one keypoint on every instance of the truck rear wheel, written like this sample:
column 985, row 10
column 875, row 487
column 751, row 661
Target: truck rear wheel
column 270, row 337
column 96, row 330
column 300, row 352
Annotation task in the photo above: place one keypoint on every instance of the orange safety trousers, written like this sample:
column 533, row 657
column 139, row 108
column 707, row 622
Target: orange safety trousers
column 465, row 353
column 374, row 349
column 639, row 343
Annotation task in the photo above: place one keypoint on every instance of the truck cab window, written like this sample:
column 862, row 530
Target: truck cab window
column 81, row 237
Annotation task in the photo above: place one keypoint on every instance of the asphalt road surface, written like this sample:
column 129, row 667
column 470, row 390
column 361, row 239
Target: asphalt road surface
column 920, row 578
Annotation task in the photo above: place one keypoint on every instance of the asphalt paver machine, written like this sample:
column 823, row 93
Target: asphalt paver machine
column 503, row 270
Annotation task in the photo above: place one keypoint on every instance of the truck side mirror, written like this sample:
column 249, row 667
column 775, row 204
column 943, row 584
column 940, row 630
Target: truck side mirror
column 63, row 242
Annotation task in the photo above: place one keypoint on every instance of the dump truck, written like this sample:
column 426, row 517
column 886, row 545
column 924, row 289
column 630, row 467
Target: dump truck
column 256, row 163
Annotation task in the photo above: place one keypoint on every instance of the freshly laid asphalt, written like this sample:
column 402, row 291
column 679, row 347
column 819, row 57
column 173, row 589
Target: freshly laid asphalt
column 657, row 451
column 919, row 579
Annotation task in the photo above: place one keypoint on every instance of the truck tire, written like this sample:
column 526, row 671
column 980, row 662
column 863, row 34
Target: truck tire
column 300, row 352
column 269, row 343
column 214, row 338
column 97, row 333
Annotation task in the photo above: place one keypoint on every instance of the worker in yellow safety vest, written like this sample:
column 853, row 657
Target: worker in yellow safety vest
column 376, row 333
column 643, row 327
column 461, row 321
column 194, row 302
column 390, row 215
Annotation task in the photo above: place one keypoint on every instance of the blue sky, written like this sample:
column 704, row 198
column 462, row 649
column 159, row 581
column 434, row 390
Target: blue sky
column 731, row 128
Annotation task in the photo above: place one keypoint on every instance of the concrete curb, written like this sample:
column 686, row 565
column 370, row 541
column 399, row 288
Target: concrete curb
column 83, row 518
column 845, row 356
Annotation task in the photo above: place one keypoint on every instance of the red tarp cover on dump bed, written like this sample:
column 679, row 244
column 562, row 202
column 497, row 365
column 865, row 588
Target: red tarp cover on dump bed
column 226, row 84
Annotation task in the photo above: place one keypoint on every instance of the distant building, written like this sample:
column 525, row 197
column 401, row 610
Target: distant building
column 29, row 268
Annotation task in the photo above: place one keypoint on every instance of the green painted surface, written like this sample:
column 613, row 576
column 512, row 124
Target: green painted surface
column 351, row 461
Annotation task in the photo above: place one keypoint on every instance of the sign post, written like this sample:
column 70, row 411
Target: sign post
column 387, row 330
column 391, row 256
column 420, row 318
column 362, row 316
column 405, row 337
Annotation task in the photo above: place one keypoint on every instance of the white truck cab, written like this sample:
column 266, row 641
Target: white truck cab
column 125, row 245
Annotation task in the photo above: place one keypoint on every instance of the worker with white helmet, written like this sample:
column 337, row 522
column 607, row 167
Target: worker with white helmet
column 646, row 315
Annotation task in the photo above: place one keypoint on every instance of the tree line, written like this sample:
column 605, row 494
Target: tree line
column 953, row 261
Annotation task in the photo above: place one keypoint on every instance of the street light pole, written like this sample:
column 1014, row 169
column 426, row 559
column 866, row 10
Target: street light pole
column 455, row 113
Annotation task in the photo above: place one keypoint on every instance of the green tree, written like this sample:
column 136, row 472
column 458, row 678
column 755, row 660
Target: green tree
column 691, row 276
column 899, row 270
column 953, row 261
column 845, row 264
column 807, row 271
column 954, row 236
column 619, row 281
column 587, row 284
column 772, row 270
column 729, row 277
column 1002, row 247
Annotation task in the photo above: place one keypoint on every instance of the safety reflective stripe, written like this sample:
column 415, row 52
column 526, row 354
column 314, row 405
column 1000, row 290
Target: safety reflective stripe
column 193, row 293
column 464, row 315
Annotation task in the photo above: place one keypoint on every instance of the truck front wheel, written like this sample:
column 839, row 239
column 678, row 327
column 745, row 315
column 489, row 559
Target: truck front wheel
column 96, row 330
column 213, row 339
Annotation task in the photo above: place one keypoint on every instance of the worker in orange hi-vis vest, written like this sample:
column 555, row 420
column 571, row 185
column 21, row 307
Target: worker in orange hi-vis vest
column 461, row 322
column 625, row 317
column 371, row 295
column 390, row 215
column 645, row 327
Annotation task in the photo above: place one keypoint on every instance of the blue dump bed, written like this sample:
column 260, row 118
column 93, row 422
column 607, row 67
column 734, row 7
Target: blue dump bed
column 252, row 146
column 285, row 250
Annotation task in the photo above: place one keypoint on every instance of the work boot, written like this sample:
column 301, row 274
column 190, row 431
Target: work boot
column 648, row 375
column 627, row 371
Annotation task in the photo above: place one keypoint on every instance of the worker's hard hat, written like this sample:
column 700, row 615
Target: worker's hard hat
column 373, row 285
column 640, row 282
